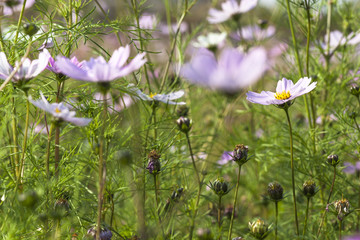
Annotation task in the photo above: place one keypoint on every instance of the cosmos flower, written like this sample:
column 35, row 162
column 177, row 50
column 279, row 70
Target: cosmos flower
column 253, row 33
column 225, row 158
column 48, row 43
column 11, row 6
column 165, row 98
column 351, row 168
column 286, row 91
column 97, row 70
column 212, row 40
column 148, row 21
column 59, row 111
column 338, row 39
column 353, row 237
column 28, row 70
column 54, row 68
column 230, row 8
column 164, row 28
column 230, row 72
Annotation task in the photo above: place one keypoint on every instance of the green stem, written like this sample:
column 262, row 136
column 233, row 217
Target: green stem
column 199, row 188
column 158, row 204
column 276, row 219
column 306, row 216
column 22, row 162
column 102, row 171
column 292, row 170
column 47, row 161
column 15, row 139
column 328, row 201
column 234, row 204
column 340, row 228
column 19, row 23
column 219, row 217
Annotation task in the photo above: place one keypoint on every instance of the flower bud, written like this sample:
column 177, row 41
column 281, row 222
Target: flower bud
column 28, row 199
column 259, row 229
column 262, row 23
column 30, row 29
column 12, row 3
column 333, row 160
column 154, row 162
column 184, row 124
column 275, row 191
column 355, row 90
column 182, row 111
column 62, row 208
column 309, row 188
column 240, row 154
column 204, row 234
column 105, row 234
column 342, row 208
column 220, row 187
column 175, row 196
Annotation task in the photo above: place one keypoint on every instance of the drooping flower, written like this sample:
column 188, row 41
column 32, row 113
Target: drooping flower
column 165, row 98
column 28, row 70
column 59, row 111
column 253, row 33
column 97, row 70
column 286, row 91
column 210, row 41
column 230, row 8
column 230, row 73
column 11, row 6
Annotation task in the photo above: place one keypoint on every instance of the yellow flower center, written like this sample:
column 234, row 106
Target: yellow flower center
column 282, row 96
column 152, row 95
column 57, row 110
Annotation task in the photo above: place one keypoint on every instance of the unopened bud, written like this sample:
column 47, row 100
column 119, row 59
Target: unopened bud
column 154, row 162
column 240, row 154
column 275, row 191
column 342, row 208
column 30, row 29
column 333, row 160
column 259, row 229
column 184, row 124
column 220, row 187
column 309, row 188
column 355, row 90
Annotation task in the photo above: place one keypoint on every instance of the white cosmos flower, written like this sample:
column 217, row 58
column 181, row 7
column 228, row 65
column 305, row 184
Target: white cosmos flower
column 28, row 70
column 286, row 91
column 165, row 98
column 59, row 111
column 210, row 40
column 229, row 9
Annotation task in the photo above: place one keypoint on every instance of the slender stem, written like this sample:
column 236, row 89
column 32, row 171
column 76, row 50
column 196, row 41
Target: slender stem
column 219, row 217
column 234, row 204
column 340, row 228
column 328, row 27
column 154, row 115
column 158, row 204
column 306, row 216
column 102, row 170
column 15, row 139
column 276, row 219
column 358, row 213
column 292, row 171
column 327, row 203
column 57, row 150
column 47, row 161
column 199, row 188
column 19, row 23
column 22, row 162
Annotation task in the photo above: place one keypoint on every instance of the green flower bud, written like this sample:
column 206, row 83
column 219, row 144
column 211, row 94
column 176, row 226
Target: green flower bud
column 240, row 154
column 355, row 90
column 259, row 229
column 220, row 187
column 275, row 191
column 184, row 124
column 30, row 29
column 333, row 160
column 28, row 199
column 309, row 188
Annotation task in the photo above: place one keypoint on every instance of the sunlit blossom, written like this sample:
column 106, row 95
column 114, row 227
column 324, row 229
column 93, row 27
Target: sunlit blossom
column 229, row 9
column 211, row 40
column 98, row 70
column 28, row 70
column 165, row 98
column 232, row 71
column 253, row 33
column 54, row 68
column 59, row 111
column 286, row 91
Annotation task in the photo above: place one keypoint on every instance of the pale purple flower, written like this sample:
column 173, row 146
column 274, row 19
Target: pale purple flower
column 98, row 70
column 28, row 70
column 11, row 6
column 226, row 157
column 233, row 69
column 164, row 28
column 351, row 168
column 55, row 69
column 253, row 33
column 148, row 21
column 353, row 237
column 48, row 43
column 59, row 111
column 338, row 39
column 165, row 98
column 229, row 9
column 286, row 91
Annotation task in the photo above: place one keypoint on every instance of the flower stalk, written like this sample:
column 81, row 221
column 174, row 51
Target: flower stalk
column 234, row 203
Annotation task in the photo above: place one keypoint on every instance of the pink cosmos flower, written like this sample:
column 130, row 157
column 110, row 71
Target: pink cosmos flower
column 11, row 6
